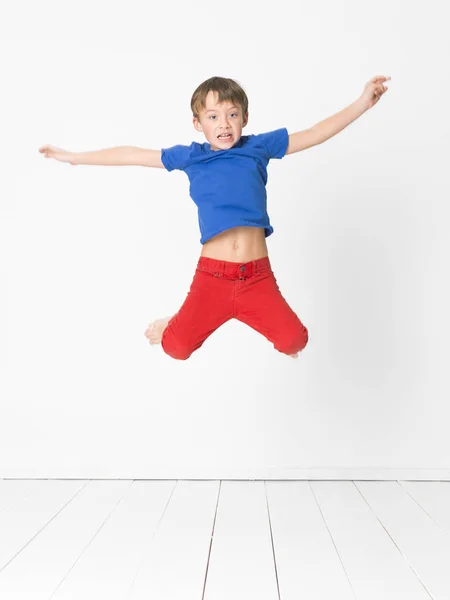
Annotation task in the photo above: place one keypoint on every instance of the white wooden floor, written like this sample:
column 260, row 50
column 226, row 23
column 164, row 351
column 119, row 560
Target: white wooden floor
column 224, row 540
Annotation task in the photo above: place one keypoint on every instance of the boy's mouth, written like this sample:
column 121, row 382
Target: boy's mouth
column 225, row 137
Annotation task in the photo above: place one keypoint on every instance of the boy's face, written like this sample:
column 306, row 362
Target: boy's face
column 216, row 119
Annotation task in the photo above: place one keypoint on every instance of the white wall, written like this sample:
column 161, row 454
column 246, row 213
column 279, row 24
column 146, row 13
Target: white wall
column 90, row 255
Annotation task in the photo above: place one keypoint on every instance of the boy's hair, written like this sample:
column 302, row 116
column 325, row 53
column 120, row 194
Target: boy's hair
column 228, row 90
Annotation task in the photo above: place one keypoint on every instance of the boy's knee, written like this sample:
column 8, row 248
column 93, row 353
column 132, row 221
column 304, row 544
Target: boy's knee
column 295, row 341
column 179, row 346
column 177, row 351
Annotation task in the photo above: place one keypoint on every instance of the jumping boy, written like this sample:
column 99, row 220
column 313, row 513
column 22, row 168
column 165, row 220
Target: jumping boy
column 228, row 176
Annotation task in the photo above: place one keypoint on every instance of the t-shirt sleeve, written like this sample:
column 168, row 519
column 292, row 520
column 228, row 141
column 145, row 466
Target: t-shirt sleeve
column 176, row 157
column 276, row 142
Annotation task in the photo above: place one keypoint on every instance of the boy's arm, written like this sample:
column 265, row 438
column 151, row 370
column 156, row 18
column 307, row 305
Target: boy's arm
column 119, row 156
column 318, row 133
column 322, row 131
column 148, row 158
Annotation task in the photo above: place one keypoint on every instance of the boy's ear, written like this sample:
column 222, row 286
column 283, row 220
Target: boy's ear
column 197, row 124
column 245, row 120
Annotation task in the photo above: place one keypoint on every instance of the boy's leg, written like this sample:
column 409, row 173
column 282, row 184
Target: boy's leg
column 208, row 305
column 260, row 304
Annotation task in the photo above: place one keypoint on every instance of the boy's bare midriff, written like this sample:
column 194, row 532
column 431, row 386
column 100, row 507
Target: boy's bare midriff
column 238, row 244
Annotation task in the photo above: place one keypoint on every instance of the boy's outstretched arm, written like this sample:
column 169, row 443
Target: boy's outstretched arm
column 117, row 156
column 322, row 131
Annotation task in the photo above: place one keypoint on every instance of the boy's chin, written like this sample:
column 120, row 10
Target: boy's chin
column 223, row 144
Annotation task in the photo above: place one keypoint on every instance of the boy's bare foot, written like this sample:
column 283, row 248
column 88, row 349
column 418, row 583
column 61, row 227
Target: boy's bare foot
column 155, row 330
column 294, row 355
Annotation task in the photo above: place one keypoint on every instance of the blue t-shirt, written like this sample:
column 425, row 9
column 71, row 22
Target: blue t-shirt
column 229, row 186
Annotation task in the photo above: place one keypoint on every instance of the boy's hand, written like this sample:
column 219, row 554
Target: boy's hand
column 57, row 153
column 373, row 91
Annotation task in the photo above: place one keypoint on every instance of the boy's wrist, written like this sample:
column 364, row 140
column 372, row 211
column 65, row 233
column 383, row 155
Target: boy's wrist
column 361, row 102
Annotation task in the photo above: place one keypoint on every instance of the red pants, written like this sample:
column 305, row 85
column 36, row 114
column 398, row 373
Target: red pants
column 223, row 290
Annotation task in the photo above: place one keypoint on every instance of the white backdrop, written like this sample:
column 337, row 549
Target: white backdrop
column 91, row 254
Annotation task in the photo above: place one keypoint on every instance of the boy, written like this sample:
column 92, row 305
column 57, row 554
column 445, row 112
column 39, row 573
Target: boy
column 228, row 175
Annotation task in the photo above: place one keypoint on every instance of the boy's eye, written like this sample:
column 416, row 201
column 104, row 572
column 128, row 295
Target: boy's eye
column 211, row 116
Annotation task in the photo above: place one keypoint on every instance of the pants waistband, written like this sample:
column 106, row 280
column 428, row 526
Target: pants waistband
column 225, row 268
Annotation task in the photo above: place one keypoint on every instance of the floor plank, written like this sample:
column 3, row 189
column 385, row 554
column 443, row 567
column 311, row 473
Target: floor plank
column 30, row 514
column 110, row 561
column 174, row 568
column 433, row 497
column 241, row 565
column 13, row 491
column 375, row 567
column 423, row 543
column 304, row 549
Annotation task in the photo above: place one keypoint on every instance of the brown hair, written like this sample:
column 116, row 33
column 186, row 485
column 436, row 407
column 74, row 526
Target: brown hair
column 228, row 90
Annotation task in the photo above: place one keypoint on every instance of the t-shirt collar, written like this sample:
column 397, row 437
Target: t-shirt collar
column 238, row 144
